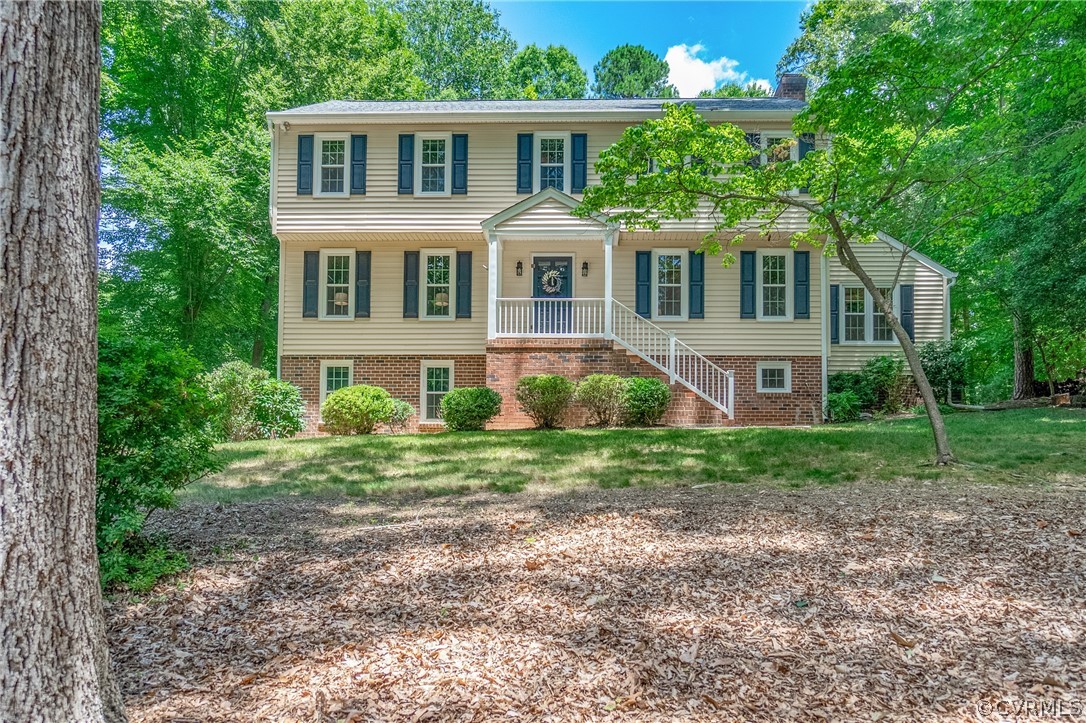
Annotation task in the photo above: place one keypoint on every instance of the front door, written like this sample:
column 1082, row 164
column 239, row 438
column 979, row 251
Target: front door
column 552, row 287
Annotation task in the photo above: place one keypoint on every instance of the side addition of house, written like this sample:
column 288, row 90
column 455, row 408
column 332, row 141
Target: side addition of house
column 429, row 245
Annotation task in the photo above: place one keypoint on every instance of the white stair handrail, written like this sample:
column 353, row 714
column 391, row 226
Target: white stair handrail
column 679, row 361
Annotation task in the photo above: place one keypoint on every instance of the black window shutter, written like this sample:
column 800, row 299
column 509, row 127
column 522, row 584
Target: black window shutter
column 835, row 326
column 806, row 145
column 311, row 270
column 524, row 163
column 305, row 165
column 362, row 284
column 406, row 176
column 463, row 284
column 579, row 162
column 460, row 163
column 747, row 284
column 908, row 315
column 643, row 297
column 358, row 165
column 697, row 285
column 410, row 284
column 802, row 281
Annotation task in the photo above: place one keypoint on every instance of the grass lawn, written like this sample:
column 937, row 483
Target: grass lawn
column 1036, row 444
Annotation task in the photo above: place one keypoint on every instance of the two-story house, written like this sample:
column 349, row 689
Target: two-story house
column 429, row 245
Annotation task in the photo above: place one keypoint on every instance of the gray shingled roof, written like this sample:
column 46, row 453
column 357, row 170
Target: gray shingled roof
column 543, row 106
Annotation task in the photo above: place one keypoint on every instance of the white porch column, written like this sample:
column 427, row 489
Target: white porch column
column 493, row 277
column 608, row 268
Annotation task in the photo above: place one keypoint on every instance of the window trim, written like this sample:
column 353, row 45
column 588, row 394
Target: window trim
column 424, row 366
column 869, row 317
column 318, row 156
column 789, row 285
column 537, row 167
column 785, row 365
column 684, row 283
column 325, row 363
column 424, row 255
column 767, row 136
column 419, row 138
column 323, row 286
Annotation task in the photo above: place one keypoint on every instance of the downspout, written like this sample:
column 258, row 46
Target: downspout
column 824, row 316
column 273, row 167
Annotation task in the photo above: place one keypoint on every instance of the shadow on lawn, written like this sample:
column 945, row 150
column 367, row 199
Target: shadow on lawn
column 690, row 603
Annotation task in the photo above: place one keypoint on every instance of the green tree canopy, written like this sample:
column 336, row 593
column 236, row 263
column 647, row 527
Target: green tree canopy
column 551, row 73
column 735, row 90
column 632, row 71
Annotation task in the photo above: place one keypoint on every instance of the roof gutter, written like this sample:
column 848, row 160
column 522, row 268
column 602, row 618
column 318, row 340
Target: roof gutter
column 345, row 118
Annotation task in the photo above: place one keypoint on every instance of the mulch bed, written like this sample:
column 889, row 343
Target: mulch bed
column 901, row 601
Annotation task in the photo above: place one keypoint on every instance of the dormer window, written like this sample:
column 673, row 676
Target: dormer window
column 552, row 154
column 432, row 172
column 330, row 171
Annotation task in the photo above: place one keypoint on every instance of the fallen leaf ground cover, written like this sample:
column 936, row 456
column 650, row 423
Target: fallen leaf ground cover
column 901, row 600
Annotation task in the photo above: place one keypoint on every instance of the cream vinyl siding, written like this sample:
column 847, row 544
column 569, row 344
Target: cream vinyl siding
column 385, row 331
column 584, row 287
column 491, row 180
column 722, row 331
column 880, row 260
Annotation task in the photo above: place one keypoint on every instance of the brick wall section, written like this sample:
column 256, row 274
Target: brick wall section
column 401, row 375
column 509, row 359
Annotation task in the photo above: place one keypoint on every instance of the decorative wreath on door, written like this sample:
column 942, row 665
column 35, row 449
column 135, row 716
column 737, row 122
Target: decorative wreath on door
column 551, row 281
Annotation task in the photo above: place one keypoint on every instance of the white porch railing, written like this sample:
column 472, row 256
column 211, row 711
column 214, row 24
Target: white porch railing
column 660, row 348
column 550, row 317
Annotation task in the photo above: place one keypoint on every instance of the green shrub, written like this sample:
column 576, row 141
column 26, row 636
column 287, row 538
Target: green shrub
column 356, row 410
column 153, row 439
column 247, row 403
column 886, row 374
column 401, row 412
column 469, row 408
column 645, row 401
column 602, row 395
column 843, row 406
column 856, row 383
column 544, row 398
column 278, row 409
column 945, row 364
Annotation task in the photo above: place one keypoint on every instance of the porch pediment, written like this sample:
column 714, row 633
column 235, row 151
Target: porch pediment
column 546, row 215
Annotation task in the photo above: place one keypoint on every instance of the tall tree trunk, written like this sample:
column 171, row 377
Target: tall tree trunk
column 54, row 662
column 1023, row 357
column 943, row 455
column 1049, row 370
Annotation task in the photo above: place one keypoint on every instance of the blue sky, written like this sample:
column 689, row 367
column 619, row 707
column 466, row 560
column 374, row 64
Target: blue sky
column 705, row 43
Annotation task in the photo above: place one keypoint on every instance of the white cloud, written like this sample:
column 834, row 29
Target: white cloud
column 691, row 74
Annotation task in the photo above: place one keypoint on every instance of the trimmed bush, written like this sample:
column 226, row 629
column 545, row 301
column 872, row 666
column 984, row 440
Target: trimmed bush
column 602, row 395
column 153, row 439
column 888, row 381
column 856, row 383
column 249, row 404
column 645, row 401
column 356, row 410
column 401, row 412
column 843, row 406
column 468, row 409
column 544, row 398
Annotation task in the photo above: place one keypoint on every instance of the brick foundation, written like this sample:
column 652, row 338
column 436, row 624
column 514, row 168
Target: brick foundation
column 507, row 360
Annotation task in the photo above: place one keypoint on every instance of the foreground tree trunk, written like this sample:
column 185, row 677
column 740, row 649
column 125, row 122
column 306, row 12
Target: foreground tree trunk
column 54, row 663
column 943, row 455
column 1023, row 357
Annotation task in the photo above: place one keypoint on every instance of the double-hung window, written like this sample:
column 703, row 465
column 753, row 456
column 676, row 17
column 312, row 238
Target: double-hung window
column 335, row 374
column 669, row 283
column 552, row 154
column 774, row 289
column 433, row 170
column 437, row 288
column 437, row 381
column 337, row 291
column 330, row 172
column 862, row 320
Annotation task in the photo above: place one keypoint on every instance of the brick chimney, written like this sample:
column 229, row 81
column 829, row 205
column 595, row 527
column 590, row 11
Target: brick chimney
column 791, row 85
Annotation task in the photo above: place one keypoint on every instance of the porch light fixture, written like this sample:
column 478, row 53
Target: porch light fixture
column 584, row 268
column 520, row 268
column 441, row 299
